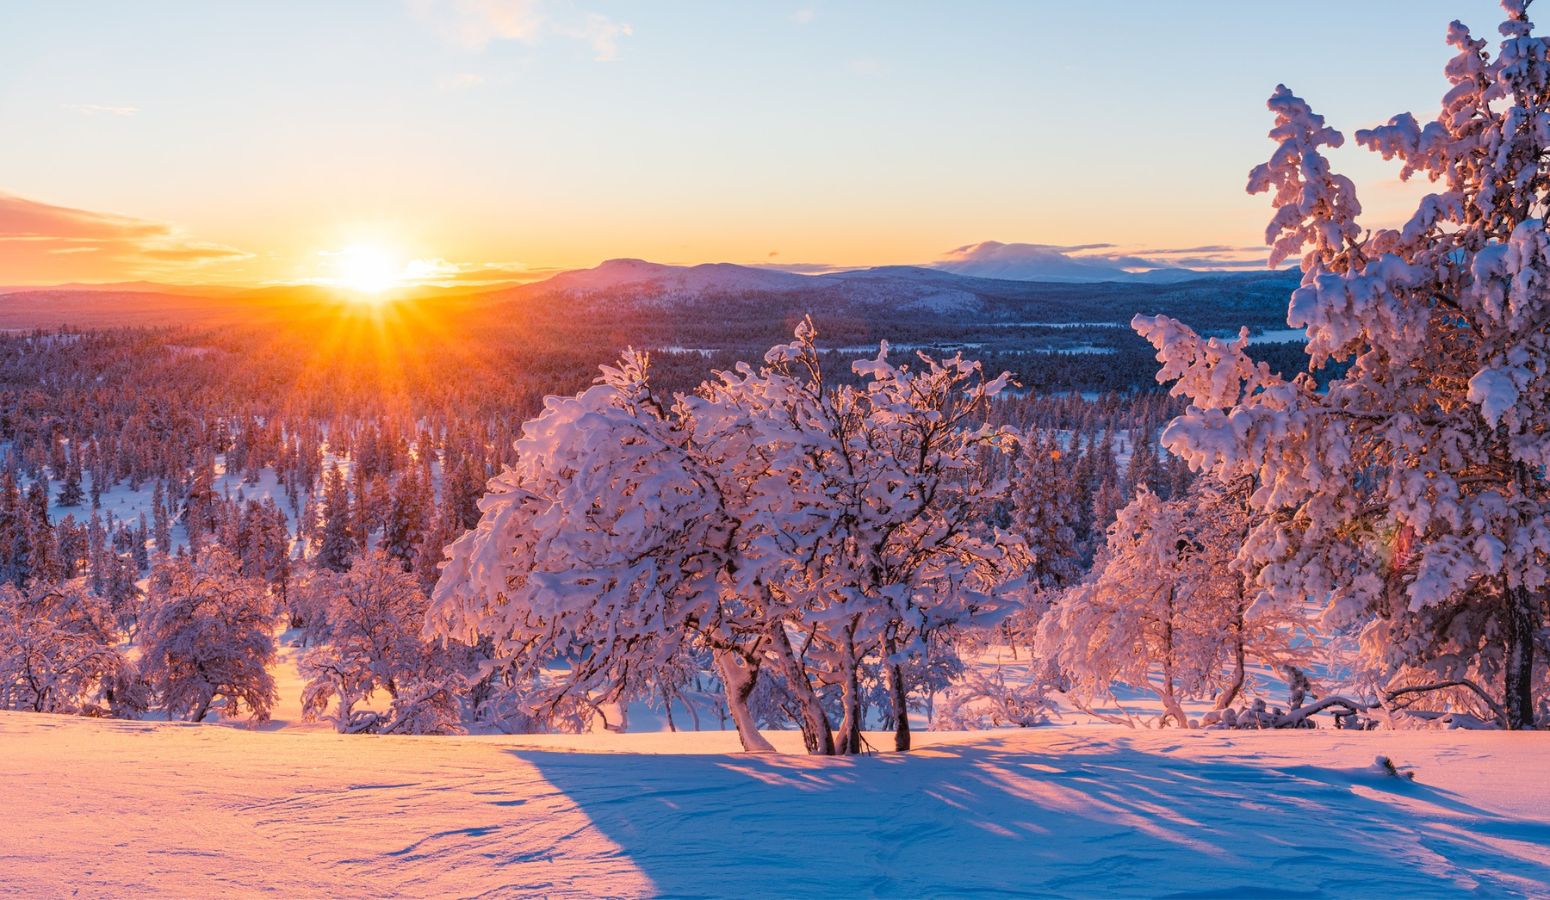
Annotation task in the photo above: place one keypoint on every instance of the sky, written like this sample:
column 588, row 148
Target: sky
column 484, row 139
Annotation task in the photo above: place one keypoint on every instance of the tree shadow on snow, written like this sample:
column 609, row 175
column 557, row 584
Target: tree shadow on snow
column 999, row 820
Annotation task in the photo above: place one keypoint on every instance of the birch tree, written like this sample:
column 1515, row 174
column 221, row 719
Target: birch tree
column 1407, row 494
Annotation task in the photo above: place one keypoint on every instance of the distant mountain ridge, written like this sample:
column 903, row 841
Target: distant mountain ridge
column 682, row 280
column 893, row 292
column 725, row 277
column 720, row 291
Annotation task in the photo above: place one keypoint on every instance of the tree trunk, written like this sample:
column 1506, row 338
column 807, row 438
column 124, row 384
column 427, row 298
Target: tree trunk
column 1522, row 626
column 615, row 715
column 899, row 695
column 738, row 679
column 816, row 733
column 667, row 708
column 1235, row 686
column 1171, row 708
column 899, row 691
column 849, row 742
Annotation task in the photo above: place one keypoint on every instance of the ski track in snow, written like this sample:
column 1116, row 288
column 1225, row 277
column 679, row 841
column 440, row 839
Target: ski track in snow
column 109, row 808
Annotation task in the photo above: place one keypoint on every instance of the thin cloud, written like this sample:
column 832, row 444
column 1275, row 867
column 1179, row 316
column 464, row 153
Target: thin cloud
column 599, row 32
column 1212, row 249
column 195, row 252
column 994, row 248
column 460, row 81
column 442, row 271
column 23, row 219
column 498, row 273
column 1090, row 262
column 43, row 241
column 475, row 24
column 93, row 109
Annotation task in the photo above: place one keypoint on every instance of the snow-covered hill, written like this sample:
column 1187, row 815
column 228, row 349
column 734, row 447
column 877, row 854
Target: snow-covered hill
column 920, row 289
column 673, row 282
column 885, row 294
column 109, row 808
column 637, row 283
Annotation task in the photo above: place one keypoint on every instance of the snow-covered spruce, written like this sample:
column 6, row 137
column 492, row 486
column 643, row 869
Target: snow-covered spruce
column 336, row 547
column 1041, row 512
column 1408, row 492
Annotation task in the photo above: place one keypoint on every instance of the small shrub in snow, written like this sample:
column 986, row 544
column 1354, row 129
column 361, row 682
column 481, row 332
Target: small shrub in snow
column 514, row 707
column 988, row 701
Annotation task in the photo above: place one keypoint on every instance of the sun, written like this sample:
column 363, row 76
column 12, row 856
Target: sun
column 368, row 270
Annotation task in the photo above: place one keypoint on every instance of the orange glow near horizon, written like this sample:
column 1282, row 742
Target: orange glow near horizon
column 382, row 344
column 367, row 271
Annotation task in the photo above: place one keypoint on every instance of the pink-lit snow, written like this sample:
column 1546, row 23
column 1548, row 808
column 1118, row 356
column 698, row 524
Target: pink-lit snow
column 112, row 808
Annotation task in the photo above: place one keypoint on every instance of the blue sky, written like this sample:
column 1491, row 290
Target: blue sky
column 551, row 134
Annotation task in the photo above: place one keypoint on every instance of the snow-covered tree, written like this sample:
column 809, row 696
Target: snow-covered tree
column 989, row 700
column 407, row 519
column 1166, row 608
column 59, row 653
column 605, row 545
column 162, row 522
column 209, row 640
column 1042, row 514
column 441, row 530
column 512, row 706
column 265, row 545
column 1410, row 493
column 1151, row 609
column 769, row 506
column 70, row 492
column 874, row 505
column 18, row 534
column 337, row 545
column 1145, row 469
column 461, row 488
column 365, row 626
column 120, row 586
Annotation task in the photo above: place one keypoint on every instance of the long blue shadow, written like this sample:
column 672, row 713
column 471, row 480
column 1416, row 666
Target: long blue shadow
column 995, row 820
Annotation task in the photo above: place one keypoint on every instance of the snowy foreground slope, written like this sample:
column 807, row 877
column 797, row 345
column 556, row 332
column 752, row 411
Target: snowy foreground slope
column 110, row 808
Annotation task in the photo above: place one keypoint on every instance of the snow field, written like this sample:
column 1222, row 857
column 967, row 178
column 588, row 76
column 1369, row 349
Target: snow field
column 110, row 808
